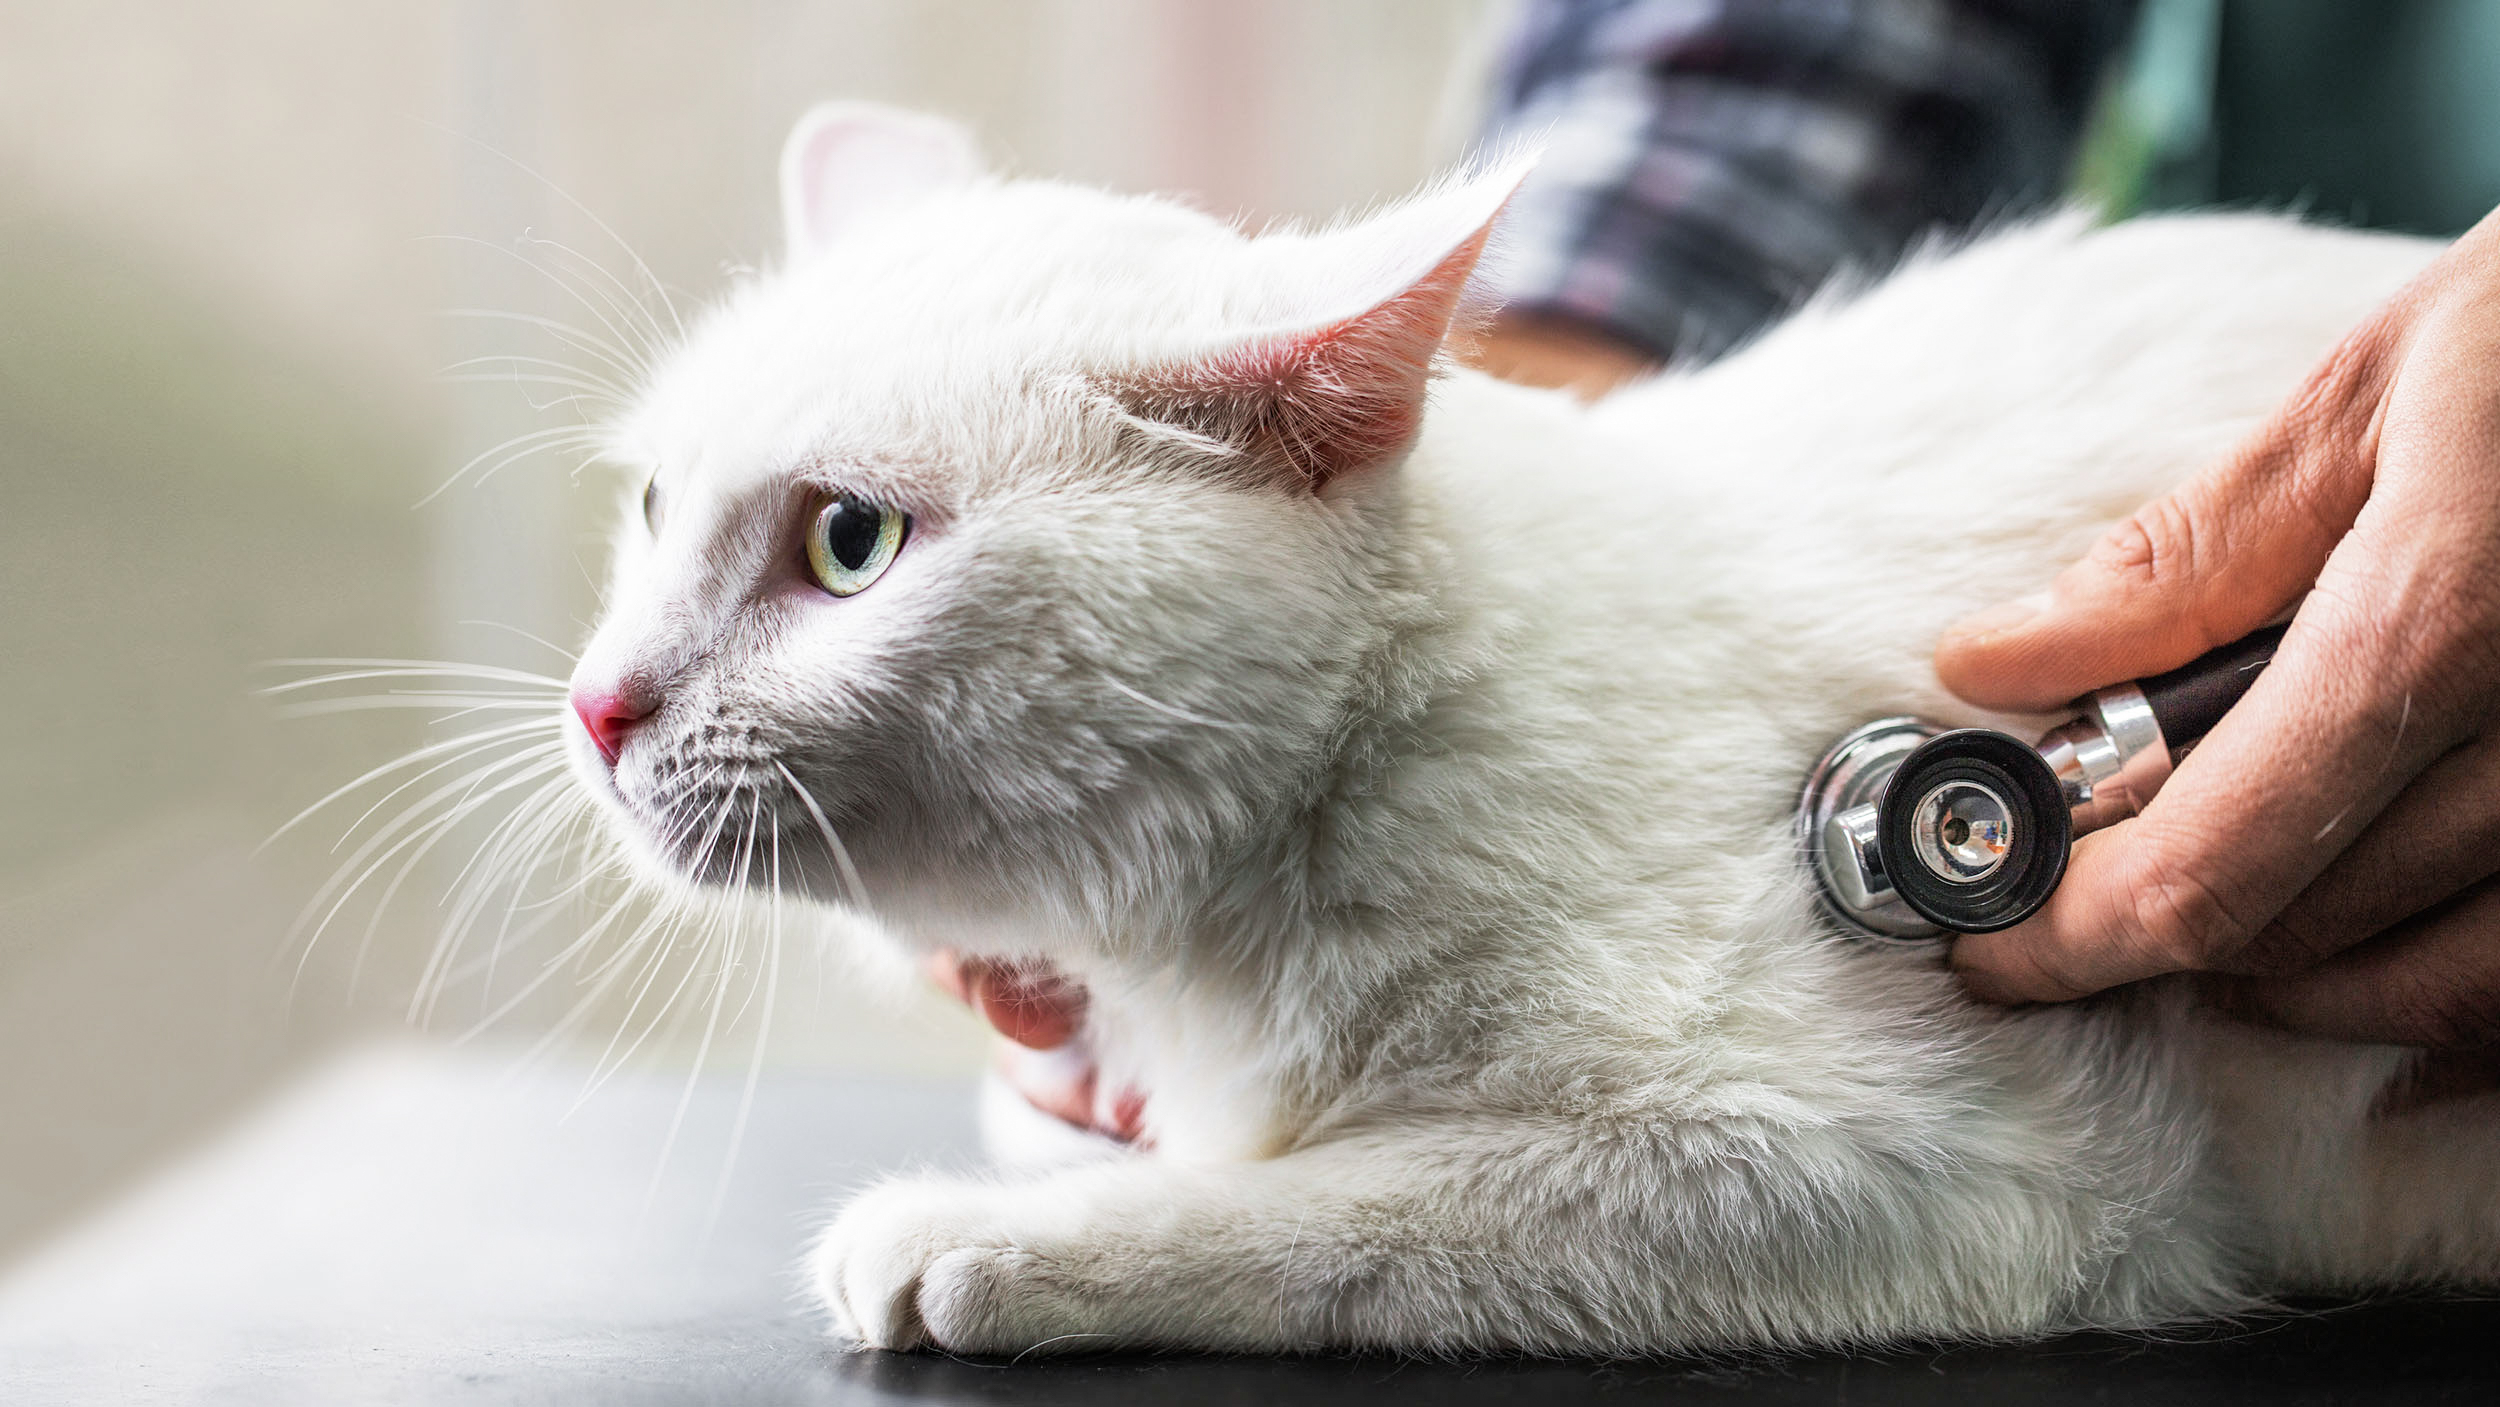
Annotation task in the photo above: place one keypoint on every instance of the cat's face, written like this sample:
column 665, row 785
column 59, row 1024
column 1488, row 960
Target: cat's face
column 1026, row 539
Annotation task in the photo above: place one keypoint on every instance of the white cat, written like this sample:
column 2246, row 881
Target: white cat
column 1404, row 762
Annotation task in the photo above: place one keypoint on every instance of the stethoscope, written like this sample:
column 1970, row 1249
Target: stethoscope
column 1914, row 831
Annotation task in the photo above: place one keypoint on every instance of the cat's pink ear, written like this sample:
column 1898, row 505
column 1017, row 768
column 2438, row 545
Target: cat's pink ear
column 846, row 161
column 1325, row 394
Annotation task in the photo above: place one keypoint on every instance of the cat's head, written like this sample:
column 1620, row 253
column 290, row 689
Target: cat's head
column 1035, row 542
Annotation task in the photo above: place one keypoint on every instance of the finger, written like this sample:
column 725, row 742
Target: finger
column 1031, row 1006
column 2435, row 840
column 2433, row 981
column 2198, row 567
column 2252, row 816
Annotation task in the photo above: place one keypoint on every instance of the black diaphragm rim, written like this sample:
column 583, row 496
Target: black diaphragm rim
column 2043, row 833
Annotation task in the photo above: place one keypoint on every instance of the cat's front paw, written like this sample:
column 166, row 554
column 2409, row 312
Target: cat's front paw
column 931, row 1264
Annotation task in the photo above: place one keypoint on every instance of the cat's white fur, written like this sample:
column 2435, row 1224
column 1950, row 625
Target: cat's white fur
column 1420, row 826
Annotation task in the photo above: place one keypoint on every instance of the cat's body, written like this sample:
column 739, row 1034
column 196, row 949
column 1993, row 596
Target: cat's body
column 1418, row 819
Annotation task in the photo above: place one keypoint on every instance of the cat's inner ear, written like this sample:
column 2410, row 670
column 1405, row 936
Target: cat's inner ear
column 1341, row 386
column 848, row 161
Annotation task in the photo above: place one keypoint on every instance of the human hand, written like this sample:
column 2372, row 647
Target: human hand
column 1040, row 1051
column 2332, row 844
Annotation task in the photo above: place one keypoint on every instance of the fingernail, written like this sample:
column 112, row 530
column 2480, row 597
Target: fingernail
column 2002, row 617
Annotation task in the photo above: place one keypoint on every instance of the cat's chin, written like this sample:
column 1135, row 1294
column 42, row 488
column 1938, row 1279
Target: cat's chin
column 685, row 842
column 751, row 833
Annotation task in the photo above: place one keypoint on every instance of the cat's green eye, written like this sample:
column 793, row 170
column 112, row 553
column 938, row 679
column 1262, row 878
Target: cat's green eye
column 852, row 542
column 651, row 505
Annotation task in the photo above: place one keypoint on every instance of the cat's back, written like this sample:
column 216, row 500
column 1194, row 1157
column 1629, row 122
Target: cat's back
column 2048, row 377
column 1786, row 531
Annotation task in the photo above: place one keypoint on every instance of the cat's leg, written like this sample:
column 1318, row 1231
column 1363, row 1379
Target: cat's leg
column 1472, row 1234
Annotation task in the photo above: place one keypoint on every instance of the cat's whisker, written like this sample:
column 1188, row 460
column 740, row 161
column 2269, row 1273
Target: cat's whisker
column 550, row 364
column 409, row 865
column 589, row 874
column 586, row 213
column 680, row 813
column 706, row 950
column 662, row 942
column 540, row 697
column 458, row 748
column 569, row 656
column 833, row 843
column 450, row 761
column 535, row 695
column 540, row 915
column 562, row 832
column 591, row 391
column 589, row 936
column 619, row 965
column 410, row 669
column 460, row 707
column 423, row 839
column 517, row 448
column 1055, row 1338
column 624, row 363
column 476, row 708
column 771, row 983
column 727, row 944
column 635, row 338
column 459, row 793
column 548, row 830
column 630, row 300
column 578, row 398
column 680, row 910
column 617, row 309
column 515, row 851
column 487, row 860
column 412, row 827
column 481, row 967
column 598, row 980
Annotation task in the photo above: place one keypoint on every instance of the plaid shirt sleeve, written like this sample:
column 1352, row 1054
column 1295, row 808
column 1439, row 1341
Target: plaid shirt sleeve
column 1709, row 163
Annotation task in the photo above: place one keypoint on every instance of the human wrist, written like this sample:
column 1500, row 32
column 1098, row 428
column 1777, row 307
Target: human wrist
column 1550, row 350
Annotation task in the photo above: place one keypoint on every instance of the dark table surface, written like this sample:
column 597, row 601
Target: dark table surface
column 420, row 1226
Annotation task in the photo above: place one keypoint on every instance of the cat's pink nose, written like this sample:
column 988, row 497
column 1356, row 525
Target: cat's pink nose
column 607, row 717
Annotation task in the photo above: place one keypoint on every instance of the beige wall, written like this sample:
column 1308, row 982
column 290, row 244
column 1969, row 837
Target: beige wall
column 227, row 233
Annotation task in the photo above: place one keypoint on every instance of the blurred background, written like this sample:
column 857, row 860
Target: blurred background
column 233, row 238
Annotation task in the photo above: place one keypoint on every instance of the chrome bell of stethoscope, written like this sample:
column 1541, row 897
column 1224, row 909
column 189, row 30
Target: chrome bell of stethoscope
column 1913, row 831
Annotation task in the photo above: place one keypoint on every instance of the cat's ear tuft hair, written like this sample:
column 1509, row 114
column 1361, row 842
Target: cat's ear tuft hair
column 848, row 160
column 1340, row 386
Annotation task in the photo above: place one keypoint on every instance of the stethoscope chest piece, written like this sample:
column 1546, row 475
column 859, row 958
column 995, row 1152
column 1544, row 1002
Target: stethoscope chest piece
column 1837, row 830
column 1978, row 816
column 1914, row 831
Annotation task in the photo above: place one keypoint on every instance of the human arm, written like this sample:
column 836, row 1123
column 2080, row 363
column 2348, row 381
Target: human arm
column 1709, row 166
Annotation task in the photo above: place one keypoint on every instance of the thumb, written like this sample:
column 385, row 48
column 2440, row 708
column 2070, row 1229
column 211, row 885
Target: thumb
column 2198, row 567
